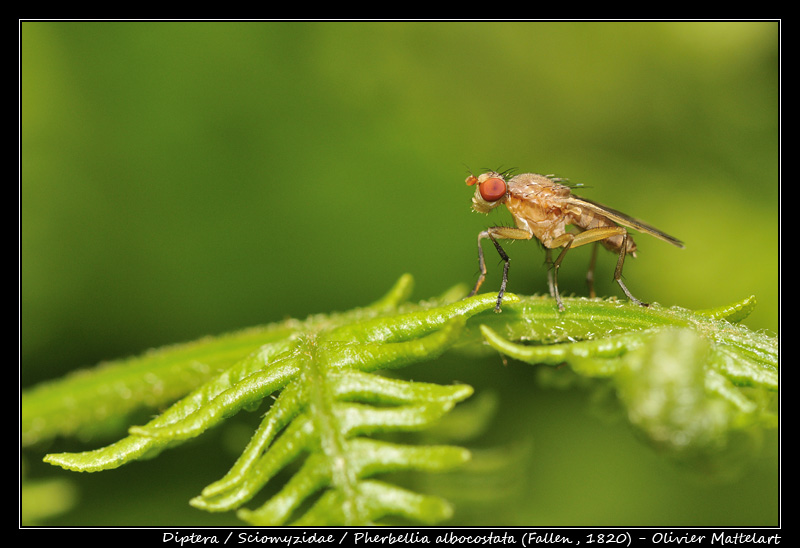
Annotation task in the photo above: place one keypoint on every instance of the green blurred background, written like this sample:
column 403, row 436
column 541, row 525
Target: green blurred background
column 180, row 179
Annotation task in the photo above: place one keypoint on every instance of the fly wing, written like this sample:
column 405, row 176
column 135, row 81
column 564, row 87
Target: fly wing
column 625, row 220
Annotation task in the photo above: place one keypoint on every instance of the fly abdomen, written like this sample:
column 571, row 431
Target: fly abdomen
column 589, row 219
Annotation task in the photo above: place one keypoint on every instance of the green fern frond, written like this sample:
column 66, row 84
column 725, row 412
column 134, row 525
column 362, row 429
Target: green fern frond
column 329, row 401
column 82, row 400
column 693, row 383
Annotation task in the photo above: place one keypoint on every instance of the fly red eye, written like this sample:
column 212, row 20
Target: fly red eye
column 493, row 189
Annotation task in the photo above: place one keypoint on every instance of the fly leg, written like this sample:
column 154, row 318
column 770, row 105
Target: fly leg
column 506, row 262
column 590, row 272
column 481, row 264
column 592, row 235
column 548, row 261
column 556, row 266
column 493, row 234
column 618, row 271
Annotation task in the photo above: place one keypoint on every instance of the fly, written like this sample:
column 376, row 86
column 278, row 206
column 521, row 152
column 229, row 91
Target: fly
column 542, row 208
